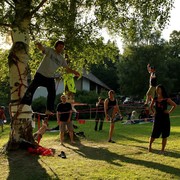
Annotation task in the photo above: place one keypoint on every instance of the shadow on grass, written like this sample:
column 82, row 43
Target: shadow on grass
column 132, row 139
column 101, row 153
column 166, row 153
column 23, row 165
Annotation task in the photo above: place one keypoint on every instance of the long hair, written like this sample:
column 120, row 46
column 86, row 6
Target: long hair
column 164, row 93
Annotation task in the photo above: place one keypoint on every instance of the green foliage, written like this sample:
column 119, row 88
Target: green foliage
column 4, row 79
column 174, row 60
column 135, row 20
column 78, row 23
column 132, row 69
column 3, row 64
column 107, row 72
column 39, row 104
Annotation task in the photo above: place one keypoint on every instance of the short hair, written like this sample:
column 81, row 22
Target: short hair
column 2, row 107
column 45, row 120
column 112, row 91
column 58, row 42
column 63, row 96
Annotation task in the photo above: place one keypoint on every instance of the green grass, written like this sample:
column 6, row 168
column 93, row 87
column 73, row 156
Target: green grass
column 94, row 158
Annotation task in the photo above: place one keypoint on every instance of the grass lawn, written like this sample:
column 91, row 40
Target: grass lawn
column 94, row 158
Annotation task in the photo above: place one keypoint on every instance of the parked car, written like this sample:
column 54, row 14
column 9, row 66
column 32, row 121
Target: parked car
column 128, row 100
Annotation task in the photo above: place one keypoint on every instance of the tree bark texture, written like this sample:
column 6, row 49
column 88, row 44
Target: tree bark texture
column 21, row 128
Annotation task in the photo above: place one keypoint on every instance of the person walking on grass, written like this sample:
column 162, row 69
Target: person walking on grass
column 63, row 114
column 111, row 109
column 162, row 121
column 44, row 76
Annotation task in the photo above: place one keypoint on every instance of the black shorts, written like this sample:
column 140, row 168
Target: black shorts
column 99, row 116
column 162, row 129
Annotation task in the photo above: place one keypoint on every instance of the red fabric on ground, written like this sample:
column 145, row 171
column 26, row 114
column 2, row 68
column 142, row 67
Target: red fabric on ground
column 41, row 151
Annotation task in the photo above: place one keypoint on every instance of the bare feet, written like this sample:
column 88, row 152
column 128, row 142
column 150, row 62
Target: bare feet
column 161, row 152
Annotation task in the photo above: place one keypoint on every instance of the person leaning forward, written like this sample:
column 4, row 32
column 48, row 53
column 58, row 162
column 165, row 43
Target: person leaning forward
column 111, row 108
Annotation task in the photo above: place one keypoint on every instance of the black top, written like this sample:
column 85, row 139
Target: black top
column 154, row 80
column 64, row 110
column 100, row 108
column 111, row 103
column 160, row 106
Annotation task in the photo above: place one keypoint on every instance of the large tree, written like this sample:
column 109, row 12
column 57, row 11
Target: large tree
column 78, row 23
column 132, row 68
column 174, row 60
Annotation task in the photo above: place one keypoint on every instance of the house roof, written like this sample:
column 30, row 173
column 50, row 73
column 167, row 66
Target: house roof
column 91, row 77
column 94, row 79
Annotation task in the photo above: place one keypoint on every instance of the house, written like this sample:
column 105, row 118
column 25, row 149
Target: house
column 88, row 82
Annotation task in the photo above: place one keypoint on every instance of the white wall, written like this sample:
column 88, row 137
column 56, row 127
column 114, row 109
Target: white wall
column 42, row 91
column 85, row 84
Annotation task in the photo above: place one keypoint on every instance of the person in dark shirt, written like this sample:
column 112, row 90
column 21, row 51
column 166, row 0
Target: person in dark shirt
column 99, row 114
column 162, row 121
column 63, row 114
column 111, row 109
column 2, row 117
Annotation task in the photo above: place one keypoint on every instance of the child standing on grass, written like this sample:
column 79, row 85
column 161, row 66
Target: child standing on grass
column 162, row 120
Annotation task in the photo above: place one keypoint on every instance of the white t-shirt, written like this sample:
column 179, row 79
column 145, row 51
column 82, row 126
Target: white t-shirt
column 51, row 62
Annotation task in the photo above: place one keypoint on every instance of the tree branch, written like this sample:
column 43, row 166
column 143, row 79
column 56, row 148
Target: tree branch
column 38, row 7
column 9, row 3
column 6, row 25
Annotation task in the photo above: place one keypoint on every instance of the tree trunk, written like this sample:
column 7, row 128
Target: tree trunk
column 21, row 128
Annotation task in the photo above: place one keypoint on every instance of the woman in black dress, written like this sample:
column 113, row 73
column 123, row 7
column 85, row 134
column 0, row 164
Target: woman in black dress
column 161, row 112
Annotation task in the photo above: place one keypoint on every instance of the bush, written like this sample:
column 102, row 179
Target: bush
column 86, row 112
column 39, row 104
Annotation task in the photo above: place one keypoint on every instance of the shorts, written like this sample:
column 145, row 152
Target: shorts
column 1, row 122
column 112, row 112
column 99, row 116
column 63, row 125
column 161, row 129
column 151, row 91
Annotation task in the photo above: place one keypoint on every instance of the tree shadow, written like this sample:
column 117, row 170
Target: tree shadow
column 133, row 139
column 167, row 153
column 95, row 153
column 102, row 153
column 23, row 165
